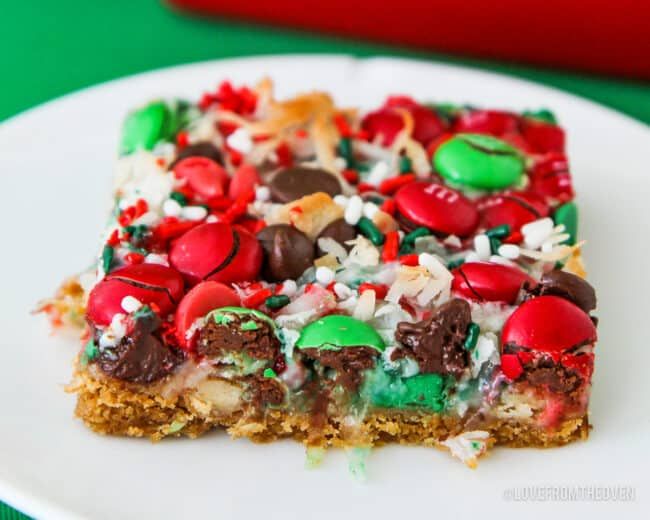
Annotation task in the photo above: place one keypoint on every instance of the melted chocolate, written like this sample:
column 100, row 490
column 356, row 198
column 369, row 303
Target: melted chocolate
column 294, row 183
column 348, row 362
column 565, row 285
column 258, row 343
column 340, row 231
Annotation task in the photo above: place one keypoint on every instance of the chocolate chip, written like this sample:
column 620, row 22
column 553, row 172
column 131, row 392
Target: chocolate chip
column 437, row 343
column 340, row 231
column 141, row 357
column 288, row 252
column 293, row 183
column 349, row 363
column 565, row 285
column 202, row 149
column 258, row 341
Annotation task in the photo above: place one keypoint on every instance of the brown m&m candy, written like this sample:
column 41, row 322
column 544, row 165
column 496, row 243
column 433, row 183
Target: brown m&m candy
column 438, row 208
column 294, row 183
column 288, row 252
column 340, row 231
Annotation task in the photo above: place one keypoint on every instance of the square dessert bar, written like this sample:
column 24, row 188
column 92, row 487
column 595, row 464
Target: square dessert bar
column 289, row 268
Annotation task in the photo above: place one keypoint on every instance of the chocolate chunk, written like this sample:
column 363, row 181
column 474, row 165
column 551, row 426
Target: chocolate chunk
column 202, row 149
column 288, row 252
column 437, row 343
column 565, row 285
column 348, row 362
column 140, row 357
column 555, row 377
column 267, row 391
column 340, row 231
column 294, row 183
column 245, row 333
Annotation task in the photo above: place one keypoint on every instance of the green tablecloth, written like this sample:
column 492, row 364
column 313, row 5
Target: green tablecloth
column 52, row 48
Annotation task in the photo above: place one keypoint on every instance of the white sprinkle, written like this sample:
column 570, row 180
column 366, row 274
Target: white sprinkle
column 379, row 172
column 324, row 275
column 536, row 232
column 153, row 258
column 364, row 310
column 482, row 246
column 150, row 218
column 130, row 304
column 496, row 259
column 341, row 200
column 353, row 210
column 289, row 288
column 172, row 208
column 262, row 193
column 342, row 291
column 240, row 140
column 211, row 219
column 472, row 257
column 118, row 325
column 452, row 241
column 369, row 209
column 510, row 251
column 194, row 212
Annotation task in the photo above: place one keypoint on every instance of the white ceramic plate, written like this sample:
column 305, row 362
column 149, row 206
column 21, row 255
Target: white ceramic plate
column 56, row 163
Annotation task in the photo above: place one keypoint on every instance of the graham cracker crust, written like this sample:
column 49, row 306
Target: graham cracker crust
column 112, row 407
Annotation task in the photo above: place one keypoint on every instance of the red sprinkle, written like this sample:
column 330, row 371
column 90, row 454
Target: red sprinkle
column 352, row 176
column 362, row 187
column 381, row 290
column 513, row 238
column 301, row 133
column 257, row 298
column 161, row 161
column 388, row 206
column 141, row 207
column 391, row 247
column 410, row 260
column 114, row 239
column 285, row 157
column 182, row 139
column 390, row 186
column 134, row 258
column 342, row 125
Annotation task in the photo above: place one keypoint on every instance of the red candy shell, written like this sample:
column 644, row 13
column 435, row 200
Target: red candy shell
column 543, row 137
column 548, row 324
column 483, row 281
column 204, row 176
column 551, row 178
column 149, row 283
column 201, row 299
column 438, row 208
column 514, row 209
column 492, row 122
column 216, row 251
column 243, row 182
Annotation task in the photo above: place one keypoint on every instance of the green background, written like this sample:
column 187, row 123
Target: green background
column 50, row 48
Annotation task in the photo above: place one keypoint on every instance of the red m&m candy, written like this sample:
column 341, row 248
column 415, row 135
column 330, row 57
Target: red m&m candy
column 548, row 324
column 437, row 207
column 484, row 281
column 550, row 178
column 148, row 283
column 543, row 137
column 491, row 122
column 205, row 177
column 216, row 251
column 514, row 209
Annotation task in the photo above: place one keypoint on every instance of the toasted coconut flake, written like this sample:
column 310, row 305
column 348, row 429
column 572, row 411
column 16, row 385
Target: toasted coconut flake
column 468, row 446
column 365, row 307
column 363, row 253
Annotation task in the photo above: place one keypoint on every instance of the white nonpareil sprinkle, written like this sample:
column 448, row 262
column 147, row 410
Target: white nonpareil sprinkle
column 341, row 200
column 496, row 259
column 536, row 232
column 211, row 219
column 370, row 209
column 342, row 291
column 353, row 210
column 379, row 172
column 194, row 212
column 118, row 326
column 472, row 257
column 324, row 275
column 452, row 241
column 150, row 218
column 171, row 208
column 482, row 246
column 510, row 251
column 153, row 258
column 130, row 304
column 262, row 193
column 240, row 140
column 289, row 288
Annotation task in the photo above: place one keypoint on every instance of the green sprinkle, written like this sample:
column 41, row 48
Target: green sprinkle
column 567, row 214
column 501, row 231
column 107, row 258
column 223, row 319
column 270, row 373
column 473, row 330
column 178, row 197
column 411, row 237
column 406, row 249
column 453, row 264
column 143, row 312
column 249, row 325
column 90, row 350
column 495, row 244
column 345, row 150
column 370, row 231
column 277, row 302
column 543, row 114
column 138, row 232
column 405, row 165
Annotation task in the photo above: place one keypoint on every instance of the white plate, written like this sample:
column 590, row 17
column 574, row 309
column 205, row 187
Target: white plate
column 56, row 163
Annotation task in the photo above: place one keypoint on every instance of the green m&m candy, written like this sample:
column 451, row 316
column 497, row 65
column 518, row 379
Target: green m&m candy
column 479, row 161
column 335, row 332
column 145, row 127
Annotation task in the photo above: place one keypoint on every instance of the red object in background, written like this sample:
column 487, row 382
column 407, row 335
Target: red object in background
column 590, row 35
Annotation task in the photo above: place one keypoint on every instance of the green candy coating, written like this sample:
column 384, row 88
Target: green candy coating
column 420, row 391
column 567, row 214
column 479, row 161
column 543, row 114
column 145, row 127
column 221, row 315
column 335, row 332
